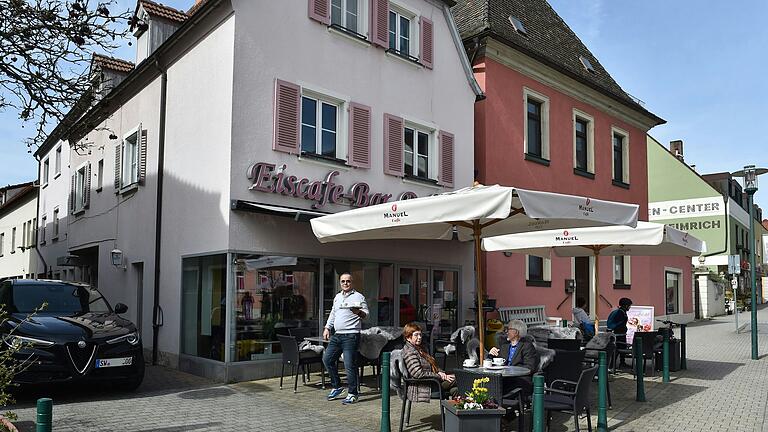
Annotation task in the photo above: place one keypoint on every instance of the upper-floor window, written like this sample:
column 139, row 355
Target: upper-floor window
column 417, row 152
column 80, row 193
column 58, row 160
column 130, row 168
column 319, row 126
column 42, row 229
column 13, row 240
column 46, row 170
column 347, row 14
column 55, row 224
column 2, row 243
column 620, row 157
column 401, row 34
column 536, row 127
column 100, row 175
column 584, row 146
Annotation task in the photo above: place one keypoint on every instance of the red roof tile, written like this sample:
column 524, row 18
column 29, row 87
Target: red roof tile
column 113, row 63
column 163, row 11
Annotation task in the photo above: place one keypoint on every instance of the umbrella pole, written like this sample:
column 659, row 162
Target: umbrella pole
column 476, row 230
column 597, row 290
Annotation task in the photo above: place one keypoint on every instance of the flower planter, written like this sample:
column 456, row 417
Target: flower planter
column 470, row 420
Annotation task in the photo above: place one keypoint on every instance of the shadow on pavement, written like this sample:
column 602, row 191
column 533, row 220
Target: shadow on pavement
column 707, row 370
column 209, row 393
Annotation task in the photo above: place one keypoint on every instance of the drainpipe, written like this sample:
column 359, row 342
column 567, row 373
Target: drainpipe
column 157, row 311
column 37, row 215
column 725, row 216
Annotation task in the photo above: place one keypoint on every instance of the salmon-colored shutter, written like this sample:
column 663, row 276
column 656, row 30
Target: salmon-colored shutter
column 320, row 11
column 445, row 177
column 359, row 135
column 380, row 23
column 287, row 111
column 427, row 38
column 393, row 145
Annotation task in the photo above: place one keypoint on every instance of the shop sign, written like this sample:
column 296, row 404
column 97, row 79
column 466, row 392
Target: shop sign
column 265, row 178
column 689, row 208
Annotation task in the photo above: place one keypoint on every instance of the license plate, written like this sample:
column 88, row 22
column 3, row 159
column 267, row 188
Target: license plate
column 114, row 362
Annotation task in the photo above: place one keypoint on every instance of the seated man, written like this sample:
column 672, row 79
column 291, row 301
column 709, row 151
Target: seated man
column 581, row 319
column 518, row 350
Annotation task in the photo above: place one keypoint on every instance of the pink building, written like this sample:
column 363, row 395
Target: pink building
column 554, row 119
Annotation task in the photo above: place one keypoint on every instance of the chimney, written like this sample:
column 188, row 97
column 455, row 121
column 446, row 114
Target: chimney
column 676, row 148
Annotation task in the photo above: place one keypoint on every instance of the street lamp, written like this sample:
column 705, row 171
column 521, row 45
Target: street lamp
column 750, row 174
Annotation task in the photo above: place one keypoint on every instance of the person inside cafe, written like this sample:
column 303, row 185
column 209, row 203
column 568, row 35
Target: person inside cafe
column 518, row 350
column 420, row 364
column 617, row 323
column 346, row 322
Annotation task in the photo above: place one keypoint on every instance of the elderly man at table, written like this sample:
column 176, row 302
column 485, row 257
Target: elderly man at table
column 346, row 323
column 518, row 350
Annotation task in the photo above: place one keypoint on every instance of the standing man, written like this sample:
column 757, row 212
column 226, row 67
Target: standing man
column 346, row 323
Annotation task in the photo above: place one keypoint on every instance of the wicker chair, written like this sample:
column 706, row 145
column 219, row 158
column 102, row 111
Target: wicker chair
column 574, row 402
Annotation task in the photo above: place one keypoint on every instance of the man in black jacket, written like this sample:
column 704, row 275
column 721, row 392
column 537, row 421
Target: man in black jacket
column 518, row 350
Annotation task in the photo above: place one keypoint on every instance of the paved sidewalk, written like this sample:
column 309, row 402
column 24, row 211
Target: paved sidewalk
column 722, row 390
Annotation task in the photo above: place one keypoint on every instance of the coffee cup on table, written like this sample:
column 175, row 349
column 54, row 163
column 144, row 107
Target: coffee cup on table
column 498, row 361
column 487, row 363
column 469, row 363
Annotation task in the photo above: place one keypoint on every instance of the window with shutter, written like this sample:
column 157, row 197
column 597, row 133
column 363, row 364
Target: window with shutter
column 393, row 145
column 350, row 16
column 320, row 120
column 142, row 174
column 359, row 135
column 319, row 11
column 130, row 159
column 427, row 43
column 73, row 194
column 87, row 185
column 118, row 165
column 286, row 117
column 446, row 159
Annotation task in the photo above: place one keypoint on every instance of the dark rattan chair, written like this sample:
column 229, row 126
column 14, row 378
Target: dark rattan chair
column 405, row 382
column 564, row 344
column 573, row 402
column 298, row 360
column 300, row 333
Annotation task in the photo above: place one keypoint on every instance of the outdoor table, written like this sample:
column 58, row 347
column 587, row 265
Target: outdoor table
column 507, row 371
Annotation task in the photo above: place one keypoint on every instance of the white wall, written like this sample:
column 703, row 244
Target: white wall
column 711, row 296
column 52, row 196
column 19, row 262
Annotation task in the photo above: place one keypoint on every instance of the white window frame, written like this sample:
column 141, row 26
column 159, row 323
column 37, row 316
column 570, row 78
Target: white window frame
column 24, row 231
column 58, row 162
column 547, row 270
column 42, row 228
column 342, row 117
column 544, row 101
column 680, row 288
column 100, row 175
column 581, row 115
column 46, row 171
column 13, row 240
column 55, row 235
column 432, row 156
column 362, row 17
column 627, row 276
column 401, row 10
column 80, row 185
column 129, row 179
column 2, row 243
column 624, row 154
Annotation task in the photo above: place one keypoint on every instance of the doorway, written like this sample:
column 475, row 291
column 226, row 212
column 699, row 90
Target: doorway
column 413, row 287
column 583, row 278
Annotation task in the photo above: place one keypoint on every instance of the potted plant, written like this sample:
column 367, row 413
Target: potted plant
column 475, row 411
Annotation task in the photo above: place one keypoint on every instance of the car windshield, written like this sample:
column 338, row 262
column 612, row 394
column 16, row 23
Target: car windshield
column 61, row 298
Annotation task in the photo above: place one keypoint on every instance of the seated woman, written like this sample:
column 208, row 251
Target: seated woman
column 518, row 350
column 420, row 364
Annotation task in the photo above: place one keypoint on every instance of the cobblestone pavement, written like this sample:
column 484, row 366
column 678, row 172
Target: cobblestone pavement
column 722, row 390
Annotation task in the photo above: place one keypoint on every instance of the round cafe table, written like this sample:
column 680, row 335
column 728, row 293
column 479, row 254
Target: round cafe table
column 506, row 371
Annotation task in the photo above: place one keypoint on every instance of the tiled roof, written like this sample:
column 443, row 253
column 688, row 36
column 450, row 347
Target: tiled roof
column 196, row 7
column 113, row 63
column 163, row 11
column 548, row 40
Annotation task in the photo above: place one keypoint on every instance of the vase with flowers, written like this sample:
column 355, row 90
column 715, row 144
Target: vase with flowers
column 475, row 410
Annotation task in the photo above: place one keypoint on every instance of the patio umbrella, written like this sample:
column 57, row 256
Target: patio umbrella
column 646, row 239
column 474, row 212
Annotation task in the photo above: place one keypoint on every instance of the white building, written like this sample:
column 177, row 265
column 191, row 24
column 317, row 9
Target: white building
column 18, row 257
column 196, row 175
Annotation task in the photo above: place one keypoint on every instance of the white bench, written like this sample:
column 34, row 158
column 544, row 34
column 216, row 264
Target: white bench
column 532, row 316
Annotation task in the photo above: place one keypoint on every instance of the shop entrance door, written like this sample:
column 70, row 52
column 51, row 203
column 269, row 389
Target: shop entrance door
column 583, row 286
column 445, row 296
column 414, row 293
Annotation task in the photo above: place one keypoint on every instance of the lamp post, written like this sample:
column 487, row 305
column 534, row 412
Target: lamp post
column 750, row 174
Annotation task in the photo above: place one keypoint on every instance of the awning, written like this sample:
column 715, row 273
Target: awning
column 298, row 214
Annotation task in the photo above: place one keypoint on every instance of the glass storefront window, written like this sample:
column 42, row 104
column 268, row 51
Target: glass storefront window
column 373, row 280
column 672, row 292
column 203, row 306
column 445, row 296
column 413, row 288
column 274, row 294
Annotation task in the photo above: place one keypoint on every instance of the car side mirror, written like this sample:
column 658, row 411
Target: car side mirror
column 120, row 308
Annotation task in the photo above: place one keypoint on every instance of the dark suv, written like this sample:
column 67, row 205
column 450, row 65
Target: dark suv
column 76, row 336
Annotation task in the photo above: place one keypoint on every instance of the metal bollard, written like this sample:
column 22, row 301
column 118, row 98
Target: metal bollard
column 538, row 403
column 385, row 426
column 602, row 393
column 665, row 356
column 683, row 365
column 637, row 345
column 44, row 415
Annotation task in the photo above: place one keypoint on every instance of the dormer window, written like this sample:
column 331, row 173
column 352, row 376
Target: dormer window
column 587, row 64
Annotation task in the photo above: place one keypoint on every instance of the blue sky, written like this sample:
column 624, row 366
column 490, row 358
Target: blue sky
column 699, row 65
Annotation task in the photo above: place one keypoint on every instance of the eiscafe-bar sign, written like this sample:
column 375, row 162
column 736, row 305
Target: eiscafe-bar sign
column 265, row 178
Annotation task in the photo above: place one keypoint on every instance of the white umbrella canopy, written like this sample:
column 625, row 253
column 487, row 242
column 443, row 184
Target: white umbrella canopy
column 475, row 212
column 646, row 239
